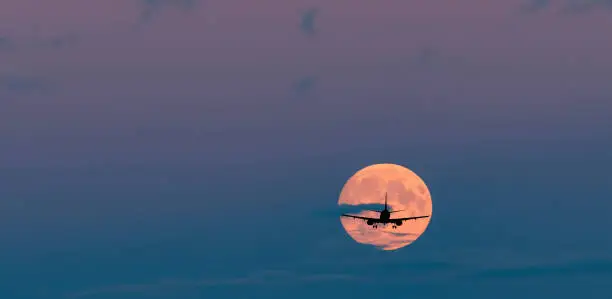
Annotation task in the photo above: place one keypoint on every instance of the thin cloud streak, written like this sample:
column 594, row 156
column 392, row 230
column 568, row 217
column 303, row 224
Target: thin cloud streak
column 567, row 7
column 39, row 43
column 586, row 267
column 151, row 8
column 263, row 277
column 581, row 6
column 24, row 84
column 59, row 41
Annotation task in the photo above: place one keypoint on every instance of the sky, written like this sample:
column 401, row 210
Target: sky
column 197, row 149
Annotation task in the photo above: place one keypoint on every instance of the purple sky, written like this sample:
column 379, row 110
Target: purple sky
column 220, row 76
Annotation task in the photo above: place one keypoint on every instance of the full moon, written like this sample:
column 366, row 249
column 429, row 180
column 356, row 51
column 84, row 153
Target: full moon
column 405, row 191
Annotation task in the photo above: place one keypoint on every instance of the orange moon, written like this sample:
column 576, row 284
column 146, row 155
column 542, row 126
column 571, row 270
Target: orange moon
column 405, row 191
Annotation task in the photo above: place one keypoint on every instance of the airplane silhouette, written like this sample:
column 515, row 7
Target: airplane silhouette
column 384, row 218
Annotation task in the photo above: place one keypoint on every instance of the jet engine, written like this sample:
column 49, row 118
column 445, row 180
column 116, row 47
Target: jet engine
column 370, row 222
column 398, row 222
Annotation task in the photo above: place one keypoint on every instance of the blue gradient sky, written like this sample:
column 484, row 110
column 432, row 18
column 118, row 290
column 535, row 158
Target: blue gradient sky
column 131, row 132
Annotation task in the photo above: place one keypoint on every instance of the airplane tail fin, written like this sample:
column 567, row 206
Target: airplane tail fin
column 386, row 202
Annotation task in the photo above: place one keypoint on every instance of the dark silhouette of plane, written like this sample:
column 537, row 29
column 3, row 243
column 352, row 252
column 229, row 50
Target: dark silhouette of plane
column 384, row 218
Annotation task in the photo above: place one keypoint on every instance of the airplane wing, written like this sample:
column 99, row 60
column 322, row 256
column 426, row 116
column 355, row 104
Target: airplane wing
column 409, row 218
column 361, row 217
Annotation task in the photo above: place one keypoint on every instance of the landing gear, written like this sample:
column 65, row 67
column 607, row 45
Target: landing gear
column 374, row 226
column 395, row 226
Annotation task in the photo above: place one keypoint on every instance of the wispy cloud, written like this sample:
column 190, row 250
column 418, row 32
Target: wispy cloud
column 567, row 6
column 55, row 41
column 534, row 6
column 307, row 23
column 37, row 42
column 24, row 84
column 584, row 268
column 336, row 211
column 150, row 8
column 580, row 6
column 305, row 85
column 258, row 278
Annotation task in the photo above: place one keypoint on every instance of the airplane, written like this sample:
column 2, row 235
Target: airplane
column 384, row 218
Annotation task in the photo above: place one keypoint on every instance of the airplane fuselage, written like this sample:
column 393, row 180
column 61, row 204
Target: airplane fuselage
column 384, row 215
column 385, row 218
